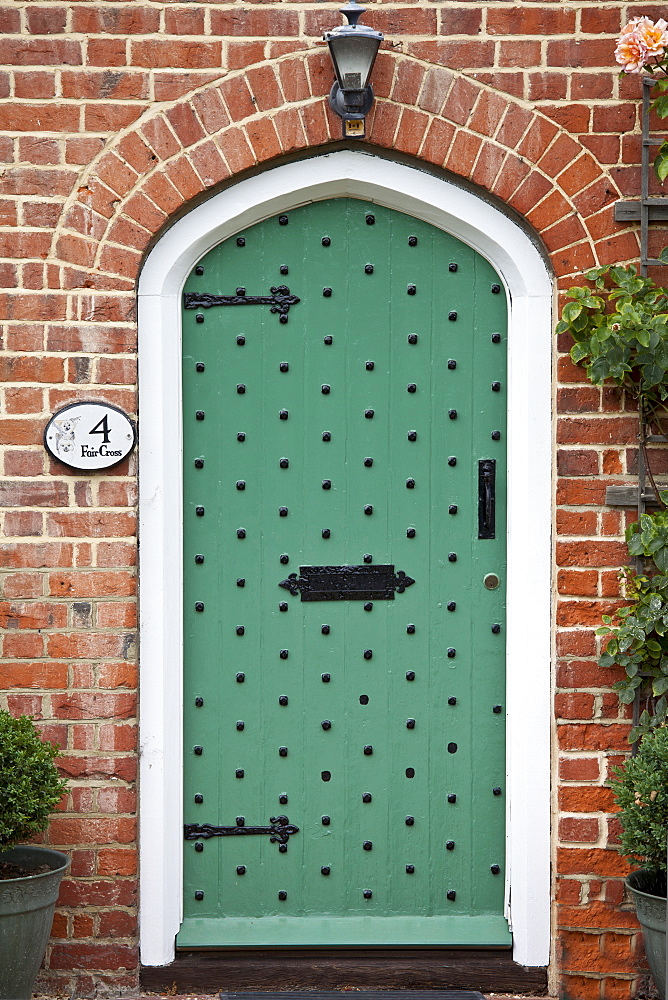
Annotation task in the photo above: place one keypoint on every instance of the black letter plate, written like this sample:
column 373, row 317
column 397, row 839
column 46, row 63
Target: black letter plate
column 347, row 583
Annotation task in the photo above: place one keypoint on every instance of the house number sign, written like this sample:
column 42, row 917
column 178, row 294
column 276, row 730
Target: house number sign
column 90, row 436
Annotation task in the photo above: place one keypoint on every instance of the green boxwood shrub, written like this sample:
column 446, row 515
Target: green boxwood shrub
column 30, row 786
column 641, row 791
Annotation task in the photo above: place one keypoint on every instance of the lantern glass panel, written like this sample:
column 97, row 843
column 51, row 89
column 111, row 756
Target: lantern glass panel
column 353, row 57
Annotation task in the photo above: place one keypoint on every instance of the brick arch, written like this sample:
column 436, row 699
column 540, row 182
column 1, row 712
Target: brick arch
column 277, row 107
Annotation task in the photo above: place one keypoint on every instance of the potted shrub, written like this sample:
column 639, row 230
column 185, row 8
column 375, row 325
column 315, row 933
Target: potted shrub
column 641, row 791
column 30, row 788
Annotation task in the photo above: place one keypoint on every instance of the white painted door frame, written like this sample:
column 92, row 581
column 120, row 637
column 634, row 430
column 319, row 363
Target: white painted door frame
column 529, row 288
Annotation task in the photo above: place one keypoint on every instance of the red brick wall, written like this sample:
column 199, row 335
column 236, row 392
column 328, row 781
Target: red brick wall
column 113, row 117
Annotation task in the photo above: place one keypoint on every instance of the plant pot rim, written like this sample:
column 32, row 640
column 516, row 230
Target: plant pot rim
column 641, row 892
column 38, row 850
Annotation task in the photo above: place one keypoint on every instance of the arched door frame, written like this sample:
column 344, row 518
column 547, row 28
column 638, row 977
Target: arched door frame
column 530, row 291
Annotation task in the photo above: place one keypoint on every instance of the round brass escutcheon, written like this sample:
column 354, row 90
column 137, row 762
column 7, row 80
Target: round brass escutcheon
column 491, row 581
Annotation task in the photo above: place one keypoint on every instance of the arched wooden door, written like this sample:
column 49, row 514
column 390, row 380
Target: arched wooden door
column 344, row 395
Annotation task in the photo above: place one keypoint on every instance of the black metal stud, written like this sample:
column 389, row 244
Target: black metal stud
column 367, row 557
column 199, row 511
column 411, row 289
column 410, row 821
column 368, row 509
column 240, row 821
column 284, row 463
column 412, row 338
column 452, row 748
column 199, row 269
column 496, row 289
column 410, row 675
column 325, row 870
column 241, row 340
column 496, row 791
column 451, row 653
column 411, row 387
column 368, row 751
column 495, row 869
column 496, row 338
column 449, row 845
column 282, row 894
column 328, row 340
column 452, row 315
column 452, row 700
column 283, row 799
column 496, row 435
column 410, row 629
column 366, row 797
column 410, row 772
column 364, row 699
column 283, row 606
column 496, row 387
column 241, row 242
column 452, row 414
column 326, row 775
column 199, row 702
column 368, row 414
column 241, row 678
column 368, row 462
column 241, row 436
column 326, row 724
column 199, row 414
column 452, row 460
column 452, row 509
column 452, row 557
column 412, row 435
column 451, row 605
column 496, row 628
column 368, row 653
column 284, row 269
column 200, row 366
column 282, row 511
column 452, row 267
column 410, row 723
column 241, row 582
column 284, row 366
column 326, row 436
column 410, row 869
column 199, row 463
column 282, row 699
column 241, row 726
column 199, row 798
column 241, row 869
column 199, row 895
column 410, row 484
column 325, row 629
column 325, row 678
column 326, row 533
column 239, row 773
column 199, row 559
column 370, row 219
column 283, row 220
column 452, row 364
column 452, row 798
column 241, row 484
column 240, row 630
column 325, row 389
column 368, row 606
column 284, row 654
column 282, row 751
column 368, row 268
column 327, row 484
column 412, row 241
column 325, row 820
column 370, row 365
column 410, row 533
column 283, row 848
column 199, row 318
column 497, row 709
column 241, row 388
column 451, row 895
column 327, row 292
column 198, row 751
column 367, row 845
column 199, row 605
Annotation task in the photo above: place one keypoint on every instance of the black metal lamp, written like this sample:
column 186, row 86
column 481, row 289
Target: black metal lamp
column 353, row 48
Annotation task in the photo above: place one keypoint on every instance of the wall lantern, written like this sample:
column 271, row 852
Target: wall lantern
column 353, row 48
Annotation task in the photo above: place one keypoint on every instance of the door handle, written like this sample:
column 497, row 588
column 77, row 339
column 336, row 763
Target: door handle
column 487, row 498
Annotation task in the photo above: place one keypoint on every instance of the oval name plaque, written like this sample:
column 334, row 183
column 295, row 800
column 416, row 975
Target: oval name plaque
column 90, row 436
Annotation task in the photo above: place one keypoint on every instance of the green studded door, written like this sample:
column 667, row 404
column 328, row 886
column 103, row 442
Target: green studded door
column 344, row 401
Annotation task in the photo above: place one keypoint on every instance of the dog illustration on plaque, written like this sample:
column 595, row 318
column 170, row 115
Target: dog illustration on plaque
column 65, row 435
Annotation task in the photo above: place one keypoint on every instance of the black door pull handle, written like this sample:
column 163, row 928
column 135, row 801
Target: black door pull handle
column 487, row 498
